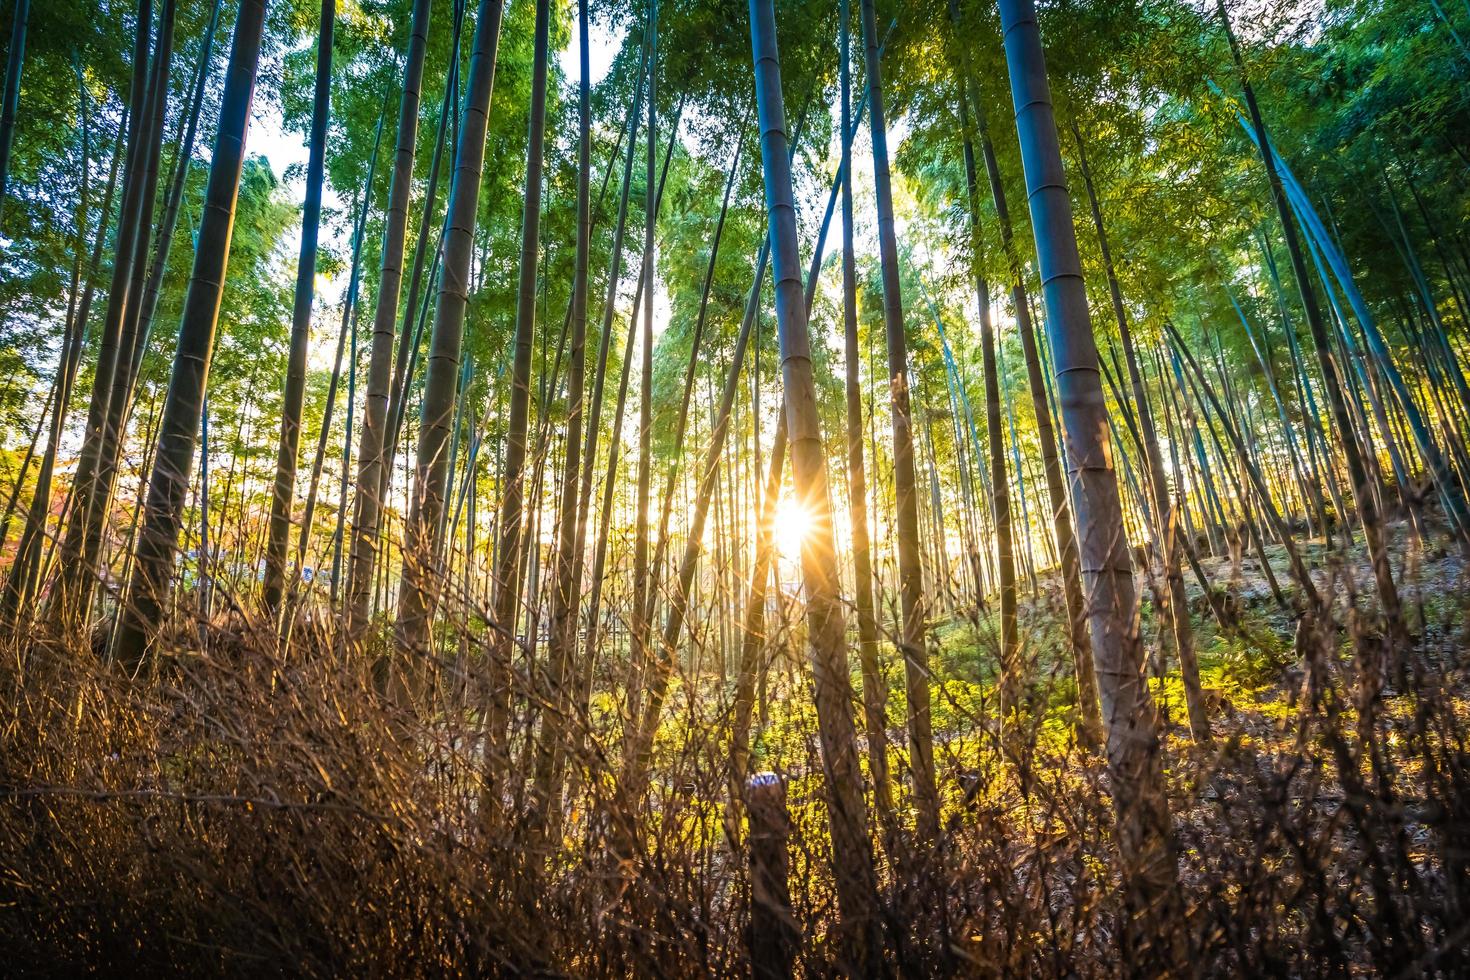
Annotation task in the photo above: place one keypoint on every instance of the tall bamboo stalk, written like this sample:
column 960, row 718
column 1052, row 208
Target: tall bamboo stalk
column 912, row 641
column 283, row 496
column 14, row 61
column 1145, row 838
column 1063, row 532
column 143, row 607
column 563, row 618
column 852, row 855
column 507, row 574
column 875, row 695
column 1000, row 498
column 419, row 588
column 1175, row 606
column 75, row 587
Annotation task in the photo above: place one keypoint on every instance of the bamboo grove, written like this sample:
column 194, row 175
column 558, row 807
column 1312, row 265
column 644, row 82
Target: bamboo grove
column 763, row 484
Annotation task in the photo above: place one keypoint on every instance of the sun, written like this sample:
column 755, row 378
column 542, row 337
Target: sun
column 793, row 524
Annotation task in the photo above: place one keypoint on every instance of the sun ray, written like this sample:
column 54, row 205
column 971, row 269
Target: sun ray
column 793, row 524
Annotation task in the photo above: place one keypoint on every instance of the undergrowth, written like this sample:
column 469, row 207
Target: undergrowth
column 241, row 811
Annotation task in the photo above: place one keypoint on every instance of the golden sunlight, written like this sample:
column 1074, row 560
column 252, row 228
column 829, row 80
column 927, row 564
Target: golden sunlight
column 793, row 524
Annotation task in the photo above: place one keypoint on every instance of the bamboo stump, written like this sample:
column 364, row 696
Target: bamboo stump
column 773, row 937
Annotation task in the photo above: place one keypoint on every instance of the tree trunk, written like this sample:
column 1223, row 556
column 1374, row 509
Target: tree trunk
column 179, row 174
column 910, row 573
column 852, row 854
column 640, row 626
column 134, row 340
column 1000, row 497
column 414, row 311
column 420, row 585
column 640, row 745
column 371, row 485
column 563, row 610
column 507, row 575
column 344, row 469
column 1061, row 508
column 26, row 568
column 581, row 671
column 681, row 425
column 1145, row 838
column 639, row 647
column 875, row 692
column 75, row 587
column 143, row 608
column 1175, row 605
column 13, row 63
column 283, row 497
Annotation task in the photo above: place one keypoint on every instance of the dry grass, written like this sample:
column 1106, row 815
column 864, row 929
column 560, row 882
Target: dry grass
column 243, row 813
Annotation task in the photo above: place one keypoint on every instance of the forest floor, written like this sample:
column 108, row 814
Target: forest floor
column 1259, row 665
column 244, row 812
column 1254, row 662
